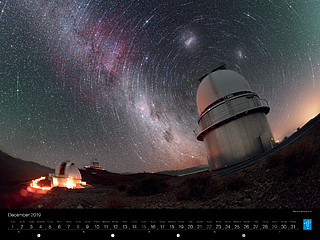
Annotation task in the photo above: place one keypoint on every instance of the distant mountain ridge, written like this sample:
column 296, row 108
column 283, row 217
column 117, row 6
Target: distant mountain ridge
column 14, row 170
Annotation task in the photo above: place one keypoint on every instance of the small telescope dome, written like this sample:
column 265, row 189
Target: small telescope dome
column 68, row 170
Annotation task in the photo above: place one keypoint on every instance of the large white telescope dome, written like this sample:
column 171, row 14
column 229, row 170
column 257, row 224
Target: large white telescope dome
column 219, row 84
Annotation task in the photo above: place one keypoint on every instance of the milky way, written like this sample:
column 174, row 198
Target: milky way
column 116, row 80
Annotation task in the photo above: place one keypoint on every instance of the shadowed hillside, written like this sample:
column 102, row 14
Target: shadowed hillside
column 288, row 178
column 14, row 170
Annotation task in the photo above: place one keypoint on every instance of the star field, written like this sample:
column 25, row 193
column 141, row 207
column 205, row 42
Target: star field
column 117, row 80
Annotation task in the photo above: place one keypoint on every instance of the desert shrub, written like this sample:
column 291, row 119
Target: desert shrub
column 193, row 187
column 236, row 181
column 216, row 186
column 274, row 160
column 293, row 160
column 114, row 201
column 198, row 187
column 148, row 186
column 122, row 186
column 298, row 158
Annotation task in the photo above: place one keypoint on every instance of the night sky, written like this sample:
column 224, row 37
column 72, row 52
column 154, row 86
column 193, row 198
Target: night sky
column 117, row 80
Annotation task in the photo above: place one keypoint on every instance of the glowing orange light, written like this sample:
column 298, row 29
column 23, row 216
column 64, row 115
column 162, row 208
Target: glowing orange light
column 70, row 183
column 67, row 182
column 35, row 188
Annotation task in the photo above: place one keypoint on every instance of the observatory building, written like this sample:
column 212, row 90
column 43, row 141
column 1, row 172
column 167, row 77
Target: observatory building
column 232, row 119
column 66, row 175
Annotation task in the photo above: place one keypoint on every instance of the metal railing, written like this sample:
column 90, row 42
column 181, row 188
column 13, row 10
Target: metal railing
column 228, row 110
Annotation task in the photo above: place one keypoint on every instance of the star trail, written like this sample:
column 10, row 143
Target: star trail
column 116, row 80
